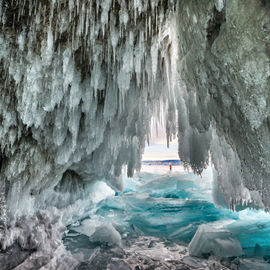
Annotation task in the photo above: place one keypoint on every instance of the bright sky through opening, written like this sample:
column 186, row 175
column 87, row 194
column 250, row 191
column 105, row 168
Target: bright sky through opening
column 157, row 149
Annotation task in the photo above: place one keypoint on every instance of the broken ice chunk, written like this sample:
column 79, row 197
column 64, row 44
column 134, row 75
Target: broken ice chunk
column 107, row 234
column 211, row 241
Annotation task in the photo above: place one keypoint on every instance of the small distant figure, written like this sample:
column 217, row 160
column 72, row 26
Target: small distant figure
column 170, row 167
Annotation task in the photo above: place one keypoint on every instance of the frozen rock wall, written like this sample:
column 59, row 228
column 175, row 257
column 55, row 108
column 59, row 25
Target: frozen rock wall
column 225, row 70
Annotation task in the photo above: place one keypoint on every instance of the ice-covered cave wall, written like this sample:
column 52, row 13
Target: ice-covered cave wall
column 79, row 83
column 225, row 75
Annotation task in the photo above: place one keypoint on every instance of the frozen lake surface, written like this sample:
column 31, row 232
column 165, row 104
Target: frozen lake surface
column 154, row 219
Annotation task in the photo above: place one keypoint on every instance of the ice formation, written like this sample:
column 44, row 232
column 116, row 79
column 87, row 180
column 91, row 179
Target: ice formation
column 165, row 210
column 209, row 241
column 106, row 234
column 224, row 66
column 80, row 81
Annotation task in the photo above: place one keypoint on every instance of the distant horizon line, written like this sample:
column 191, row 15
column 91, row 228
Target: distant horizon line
column 166, row 162
column 161, row 160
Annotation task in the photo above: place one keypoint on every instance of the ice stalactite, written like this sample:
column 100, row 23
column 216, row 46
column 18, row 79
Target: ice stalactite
column 71, row 73
column 80, row 81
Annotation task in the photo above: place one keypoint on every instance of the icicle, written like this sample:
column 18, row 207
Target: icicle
column 77, row 68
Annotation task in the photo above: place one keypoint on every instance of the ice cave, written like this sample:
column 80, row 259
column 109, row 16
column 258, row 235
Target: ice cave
column 86, row 87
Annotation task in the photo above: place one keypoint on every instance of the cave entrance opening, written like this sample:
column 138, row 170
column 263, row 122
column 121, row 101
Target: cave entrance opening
column 157, row 148
column 161, row 147
column 161, row 217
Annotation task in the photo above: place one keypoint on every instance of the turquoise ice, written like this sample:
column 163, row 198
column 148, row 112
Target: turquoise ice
column 172, row 206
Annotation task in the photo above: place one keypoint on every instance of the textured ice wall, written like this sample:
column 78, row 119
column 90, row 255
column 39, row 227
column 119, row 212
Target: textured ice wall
column 80, row 81
column 225, row 71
